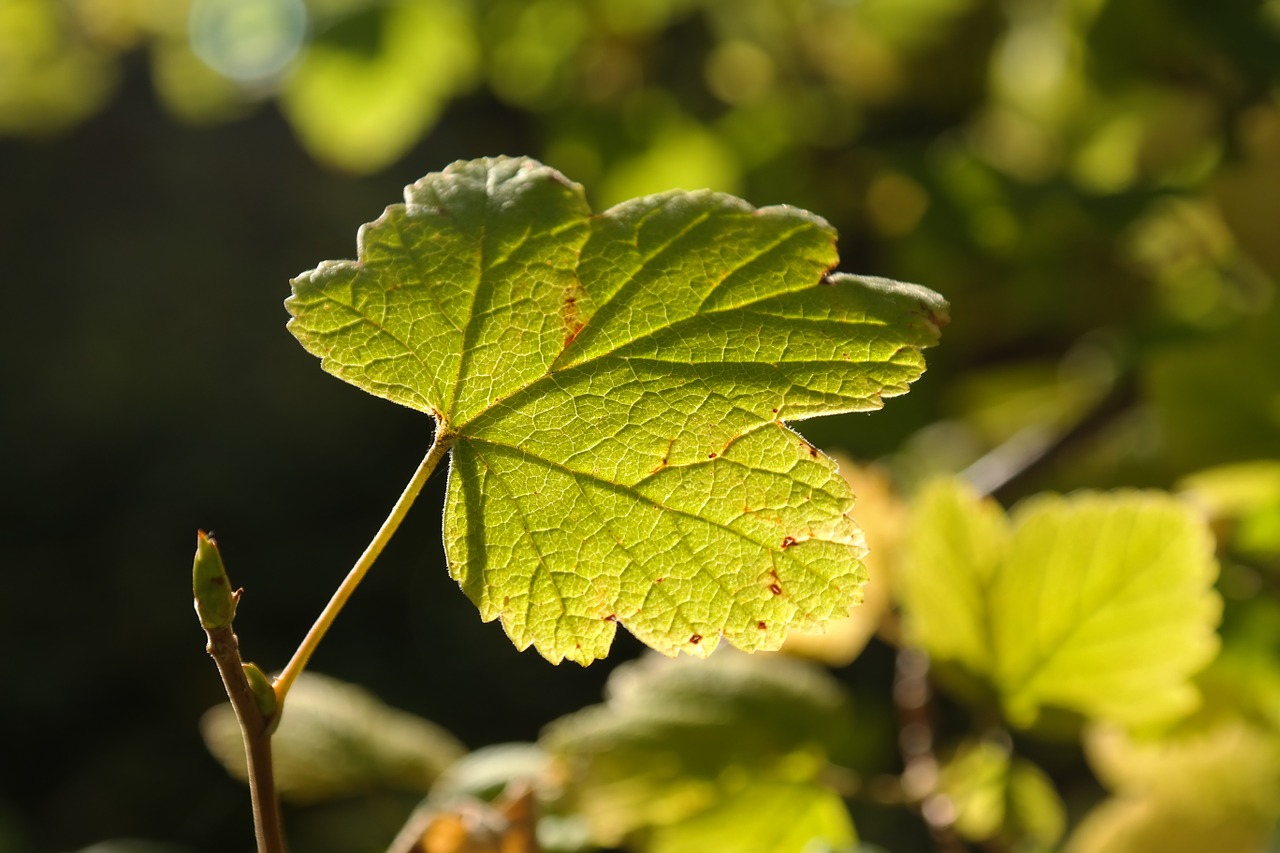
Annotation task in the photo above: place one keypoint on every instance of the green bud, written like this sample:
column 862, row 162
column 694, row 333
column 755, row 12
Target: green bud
column 264, row 694
column 215, row 602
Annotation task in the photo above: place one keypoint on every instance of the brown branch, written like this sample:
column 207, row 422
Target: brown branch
column 216, row 605
column 913, row 702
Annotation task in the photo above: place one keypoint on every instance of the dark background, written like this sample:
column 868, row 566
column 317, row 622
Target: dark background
column 150, row 389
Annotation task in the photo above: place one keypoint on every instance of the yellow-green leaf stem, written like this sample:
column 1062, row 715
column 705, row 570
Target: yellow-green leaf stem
column 439, row 448
column 617, row 384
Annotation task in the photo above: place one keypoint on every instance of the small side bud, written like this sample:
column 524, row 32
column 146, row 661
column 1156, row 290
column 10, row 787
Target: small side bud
column 215, row 602
column 264, row 694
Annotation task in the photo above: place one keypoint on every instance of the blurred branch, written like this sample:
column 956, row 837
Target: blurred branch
column 913, row 701
column 1006, row 468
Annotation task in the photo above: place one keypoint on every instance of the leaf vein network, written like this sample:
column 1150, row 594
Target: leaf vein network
column 628, row 490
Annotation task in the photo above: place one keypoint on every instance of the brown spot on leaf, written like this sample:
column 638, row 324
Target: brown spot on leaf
column 788, row 541
column 658, row 580
column 695, row 639
column 762, row 626
column 612, row 617
column 569, row 313
column 711, row 455
column 775, row 589
column 775, row 411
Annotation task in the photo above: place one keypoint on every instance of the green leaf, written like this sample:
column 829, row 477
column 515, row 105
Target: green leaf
column 958, row 543
column 1096, row 603
column 997, row 797
column 371, row 85
column 336, row 739
column 1244, row 499
column 678, row 738
column 614, row 387
column 763, row 817
column 1213, row 787
column 1106, row 606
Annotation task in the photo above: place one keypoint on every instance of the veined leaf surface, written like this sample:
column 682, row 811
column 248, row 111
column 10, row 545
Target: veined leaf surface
column 613, row 387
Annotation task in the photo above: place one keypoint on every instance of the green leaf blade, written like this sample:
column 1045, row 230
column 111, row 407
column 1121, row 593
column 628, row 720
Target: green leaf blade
column 1106, row 606
column 679, row 745
column 1098, row 603
column 450, row 302
column 614, row 387
column 958, row 545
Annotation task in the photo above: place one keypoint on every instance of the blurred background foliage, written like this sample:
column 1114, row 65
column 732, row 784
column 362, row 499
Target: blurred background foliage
column 1094, row 184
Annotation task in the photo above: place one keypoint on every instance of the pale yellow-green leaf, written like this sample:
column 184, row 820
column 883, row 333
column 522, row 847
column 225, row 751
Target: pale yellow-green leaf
column 336, row 739
column 995, row 796
column 359, row 108
column 957, row 543
column 1097, row 603
column 763, row 817
column 1213, row 787
column 678, row 738
column 1105, row 606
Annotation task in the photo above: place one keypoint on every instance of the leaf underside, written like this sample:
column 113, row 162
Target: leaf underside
column 614, row 387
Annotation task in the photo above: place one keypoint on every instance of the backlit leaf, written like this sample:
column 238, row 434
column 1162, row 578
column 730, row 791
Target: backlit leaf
column 677, row 739
column 957, row 545
column 1097, row 603
column 1209, row 787
column 336, row 739
column 614, row 387
column 764, row 817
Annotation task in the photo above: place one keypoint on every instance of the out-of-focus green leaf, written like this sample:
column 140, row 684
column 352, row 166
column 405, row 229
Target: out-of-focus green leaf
column 763, row 817
column 614, row 388
column 359, row 101
column 190, row 89
column 958, row 543
column 1097, row 603
column 1105, row 605
column 486, row 772
column 336, row 739
column 1202, row 278
column 680, row 153
column 678, row 738
column 1245, row 498
column 1215, row 787
column 532, row 44
column 996, row 797
column 50, row 76
column 1036, row 815
column 1217, row 400
column 499, row 773
column 1244, row 679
